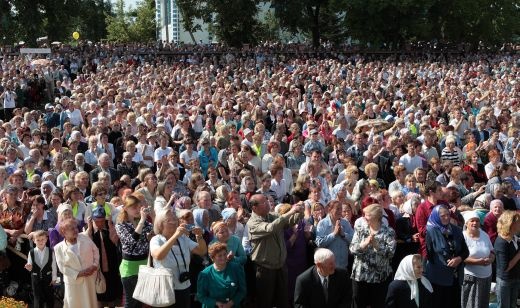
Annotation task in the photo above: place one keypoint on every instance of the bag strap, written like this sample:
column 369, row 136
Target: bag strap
column 182, row 255
column 149, row 262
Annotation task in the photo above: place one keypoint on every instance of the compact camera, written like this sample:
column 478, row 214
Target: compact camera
column 185, row 276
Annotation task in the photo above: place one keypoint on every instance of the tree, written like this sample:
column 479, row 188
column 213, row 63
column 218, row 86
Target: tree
column 118, row 26
column 136, row 26
column 233, row 21
column 316, row 19
column 7, row 23
column 144, row 27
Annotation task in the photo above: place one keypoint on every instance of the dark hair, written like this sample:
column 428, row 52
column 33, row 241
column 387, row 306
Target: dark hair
column 431, row 187
column 39, row 199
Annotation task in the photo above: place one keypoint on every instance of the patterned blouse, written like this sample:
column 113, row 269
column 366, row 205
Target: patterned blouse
column 132, row 243
column 373, row 264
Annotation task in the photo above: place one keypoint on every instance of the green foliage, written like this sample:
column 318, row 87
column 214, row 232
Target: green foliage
column 118, row 26
column 144, row 28
column 26, row 20
column 234, row 22
column 317, row 19
column 135, row 26
column 449, row 21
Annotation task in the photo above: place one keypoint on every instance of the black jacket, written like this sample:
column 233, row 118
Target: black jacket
column 398, row 296
column 309, row 290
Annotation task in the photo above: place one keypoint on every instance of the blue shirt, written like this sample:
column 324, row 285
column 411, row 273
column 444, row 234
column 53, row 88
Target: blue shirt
column 325, row 238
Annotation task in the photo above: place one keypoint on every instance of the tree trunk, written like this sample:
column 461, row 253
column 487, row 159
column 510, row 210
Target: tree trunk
column 192, row 37
column 315, row 27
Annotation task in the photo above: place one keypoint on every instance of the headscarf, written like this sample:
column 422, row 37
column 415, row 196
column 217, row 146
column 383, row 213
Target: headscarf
column 405, row 272
column 227, row 213
column 223, row 158
column 47, row 183
column 179, row 204
column 243, row 186
column 219, row 193
column 46, row 175
column 435, row 220
column 509, row 150
column 407, row 208
column 198, row 217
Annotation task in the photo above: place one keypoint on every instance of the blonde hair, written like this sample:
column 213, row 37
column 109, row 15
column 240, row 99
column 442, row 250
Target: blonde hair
column 375, row 210
column 371, row 167
column 159, row 220
column 505, row 222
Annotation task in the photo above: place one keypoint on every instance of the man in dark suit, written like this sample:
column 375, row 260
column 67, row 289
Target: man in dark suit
column 323, row 285
column 480, row 133
column 104, row 165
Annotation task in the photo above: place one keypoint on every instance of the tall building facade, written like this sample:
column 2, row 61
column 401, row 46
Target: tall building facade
column 169, row 25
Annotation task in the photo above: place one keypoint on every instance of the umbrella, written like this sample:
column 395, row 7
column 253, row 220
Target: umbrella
column 55, row 43
column 379, row 125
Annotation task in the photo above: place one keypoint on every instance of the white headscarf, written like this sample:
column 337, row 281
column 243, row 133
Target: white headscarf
column 405, row 272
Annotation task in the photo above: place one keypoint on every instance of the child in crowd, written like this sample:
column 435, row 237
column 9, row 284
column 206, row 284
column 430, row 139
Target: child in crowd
column 42, row 265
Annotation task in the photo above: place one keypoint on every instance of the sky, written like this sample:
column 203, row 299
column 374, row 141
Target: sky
column 128, row 3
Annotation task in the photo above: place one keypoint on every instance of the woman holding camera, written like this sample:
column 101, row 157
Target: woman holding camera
column 133, row 230
column 172, row 248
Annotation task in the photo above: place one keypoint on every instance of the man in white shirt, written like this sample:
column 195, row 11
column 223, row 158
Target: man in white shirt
column 410, row 160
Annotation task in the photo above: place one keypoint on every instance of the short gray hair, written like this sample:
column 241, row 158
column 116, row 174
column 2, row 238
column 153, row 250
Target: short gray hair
column 496, row 202
column 322, row 254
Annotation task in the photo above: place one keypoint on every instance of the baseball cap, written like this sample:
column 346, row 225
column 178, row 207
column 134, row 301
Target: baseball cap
column 99, row 212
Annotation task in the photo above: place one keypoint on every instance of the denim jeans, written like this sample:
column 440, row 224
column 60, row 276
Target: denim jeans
column 129, row 284
column 507, row 292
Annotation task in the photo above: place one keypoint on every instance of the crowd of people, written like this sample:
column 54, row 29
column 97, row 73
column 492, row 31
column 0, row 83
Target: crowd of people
column 263, row 179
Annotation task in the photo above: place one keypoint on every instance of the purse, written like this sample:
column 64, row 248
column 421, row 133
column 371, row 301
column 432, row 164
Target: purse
column 101, row 285
column 154, row 286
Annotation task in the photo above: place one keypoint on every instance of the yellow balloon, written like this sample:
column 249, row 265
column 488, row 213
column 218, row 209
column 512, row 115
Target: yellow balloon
column 75, row 35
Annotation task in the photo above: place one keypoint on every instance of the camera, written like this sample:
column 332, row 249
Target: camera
column 189, row 227
column 184, row 276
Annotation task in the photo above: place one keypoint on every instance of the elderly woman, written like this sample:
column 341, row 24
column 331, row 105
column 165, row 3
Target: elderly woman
column 149, row 188
column 172, row 248
column 451, row 152
column 64, row 212
column 477, row 272
column 77, row 258
column 165, row 197
column 446, row 251
column 233, row 243
column 373, row 247
column 46, row 189
column 102, row 233
column 222, row 284
column 230, row 218
column 410, row 289
column 273, row 151
column 40, row 218
column 407, row 234
column 507, row 257
column 133, row 230
column 475, row 168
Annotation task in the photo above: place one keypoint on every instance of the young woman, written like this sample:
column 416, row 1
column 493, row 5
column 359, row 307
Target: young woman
column 134, row 231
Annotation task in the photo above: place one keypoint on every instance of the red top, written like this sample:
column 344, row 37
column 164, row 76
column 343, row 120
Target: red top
column 490, row 226
column 421, row 219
